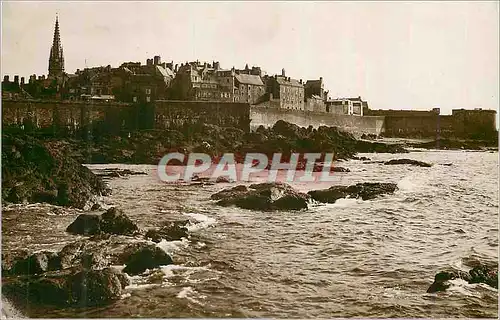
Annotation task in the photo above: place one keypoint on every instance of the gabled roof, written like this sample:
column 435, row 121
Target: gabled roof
column 283, row 81
column 166, row 72
column 249, row 79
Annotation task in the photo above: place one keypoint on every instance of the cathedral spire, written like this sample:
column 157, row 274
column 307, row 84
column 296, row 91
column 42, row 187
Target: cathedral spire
column 56, row 59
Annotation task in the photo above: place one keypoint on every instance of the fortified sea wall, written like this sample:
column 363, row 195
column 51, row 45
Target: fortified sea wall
column 354, row 124
column 71, row 117
column 113, row 118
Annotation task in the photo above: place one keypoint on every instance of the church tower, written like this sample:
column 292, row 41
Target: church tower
column 56, row 59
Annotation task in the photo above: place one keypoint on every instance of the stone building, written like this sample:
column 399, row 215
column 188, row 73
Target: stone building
column 248, row 88
column 209, row 82
column 285, row 92
column 348, row 106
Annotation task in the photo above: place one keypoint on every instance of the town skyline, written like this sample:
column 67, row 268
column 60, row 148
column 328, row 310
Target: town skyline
column 346, row 69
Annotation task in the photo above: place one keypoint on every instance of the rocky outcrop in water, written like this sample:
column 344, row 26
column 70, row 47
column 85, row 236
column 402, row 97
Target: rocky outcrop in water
column 457, row 144
column 146, row 257
column 148, row 147
column 263, row 196
column 478, row 274
column 408, row 161
column 80, row 289
column 33, row 171
column 365, row 191
column 170, row 231
column 112, row 221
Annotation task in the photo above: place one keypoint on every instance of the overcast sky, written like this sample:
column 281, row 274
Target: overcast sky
column 395, row 55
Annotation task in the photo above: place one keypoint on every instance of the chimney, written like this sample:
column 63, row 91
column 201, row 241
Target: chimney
column 5, row 79
column 149, row 62
column 157, row 60
column 300, row 81
column 16, row 79
column 283, row 72
column 176, row 66
column 320, row 78
column 22, row 81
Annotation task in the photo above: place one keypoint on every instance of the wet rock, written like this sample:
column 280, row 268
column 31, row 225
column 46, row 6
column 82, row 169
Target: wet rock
column 146, row 257
column 170, row 231
column 229, row 193
column 484, row 274
column 339, row 169
column 43, row 290
column 85, row 254
column 263, row 196
column 95, row 287
column 67, row 288
column 487, row 274
column 361, row 158
column 365, row 191
column 85, row 224
column 116, row 222
column 441, row 280
column 112, row 221
column 36, row 171
column 35, row 263
column 9, row 258
column 460, row 144
column 408, row 161
column 117, row 173
column 222, row 179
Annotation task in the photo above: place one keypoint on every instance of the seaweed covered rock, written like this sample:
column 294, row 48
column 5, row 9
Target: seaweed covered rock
column 408, row 161
column 365, row 191
column 113, row 221
column 170, row 231
column 67, row 288
column 263, row 196
column 146, row 257
column 487, row 274
column 36, row 172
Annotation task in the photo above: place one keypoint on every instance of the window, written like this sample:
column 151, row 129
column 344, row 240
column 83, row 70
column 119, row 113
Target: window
column 148, row 99
column 134, row 99
column 148, row 91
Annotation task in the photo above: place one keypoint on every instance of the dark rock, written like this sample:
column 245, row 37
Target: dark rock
column 361, row 158
column 112, row 221
column 365, row 191
column 339, row 169
column 408, row 161
column 67, row 288
column 170, row 231
column 441, row 280
column 43, row 290
column 85, row 224
column 263, row 196
column 484, row 274
column 460, row 144
column 230, row 193
column 222, row 179
column 36, row 263
column 33, row 171
column 478, row 274
column 95, row 287
column 116, row 222
column 146, row 257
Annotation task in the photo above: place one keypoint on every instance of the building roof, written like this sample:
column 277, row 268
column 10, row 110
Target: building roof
column 292, row 82
column 166, row 72
column 249, row 79
column 316, row 97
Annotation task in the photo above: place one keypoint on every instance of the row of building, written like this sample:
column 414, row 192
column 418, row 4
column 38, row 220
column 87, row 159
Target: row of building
column 193, row 81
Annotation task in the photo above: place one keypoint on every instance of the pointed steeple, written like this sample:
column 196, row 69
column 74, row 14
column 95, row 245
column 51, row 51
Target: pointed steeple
column 56, row 59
